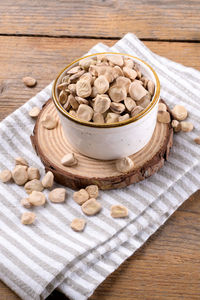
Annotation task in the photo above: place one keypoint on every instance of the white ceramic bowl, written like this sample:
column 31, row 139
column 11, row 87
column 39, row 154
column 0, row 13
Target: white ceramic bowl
column 113, row 140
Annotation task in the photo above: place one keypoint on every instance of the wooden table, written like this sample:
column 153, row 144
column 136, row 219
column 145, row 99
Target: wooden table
column 38, row 38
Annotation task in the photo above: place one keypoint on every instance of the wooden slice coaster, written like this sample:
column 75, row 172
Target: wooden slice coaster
column 51, row 146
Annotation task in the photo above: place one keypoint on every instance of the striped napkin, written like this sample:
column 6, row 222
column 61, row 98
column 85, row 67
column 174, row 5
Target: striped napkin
column 34, row 260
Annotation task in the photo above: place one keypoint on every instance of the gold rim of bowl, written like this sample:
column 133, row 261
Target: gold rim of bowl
column 107, row 125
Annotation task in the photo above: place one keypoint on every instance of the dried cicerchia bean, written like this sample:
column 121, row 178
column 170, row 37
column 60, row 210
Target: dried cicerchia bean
column 49, row 122
column 34, row 112
column 47, row 181
column 118, row 211
column 186, row 126
column 117, row 72
column 128, row 63
column 123, row 82
column 92, row 190
column 84, row 112
column 116, row 60
column 117, row 108
column 5, row 176
column 28, row 218
column 151, row 87
column 117, row 94
column 137, row 91
column 145, row 101
column 21, row 161
column 63, row 97
column 83, row 88
column 78, row 224
column 129, row 103
column 74, row 70
column 124, row 164
column 73, row 102
column 37, row 198
column 86, row 63
column 33, row 185
column 101, row 103
column 81, row 100
column 91, row 207
column 112, row 118
column 179, row 112
column 25, row 203
column 136, row 110
column 29, row 81
column 81, row 196
column 98, row 118
column 176, row 125
column 101, row 84
column 57, row 195
column 163, row 117
column 20, row 175
column 124, row 117
column 33, row 173
column 69, row 160
column 130, row 73
column 162, row 107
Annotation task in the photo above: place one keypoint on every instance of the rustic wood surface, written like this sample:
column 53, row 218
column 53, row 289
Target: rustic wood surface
column 93, row 171
column 158, row 19
column 38, row 38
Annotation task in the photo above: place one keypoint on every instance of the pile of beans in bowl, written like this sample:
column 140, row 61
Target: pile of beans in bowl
column 105, row 89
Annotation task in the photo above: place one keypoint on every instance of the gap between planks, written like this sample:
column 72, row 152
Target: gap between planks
column 97, row 37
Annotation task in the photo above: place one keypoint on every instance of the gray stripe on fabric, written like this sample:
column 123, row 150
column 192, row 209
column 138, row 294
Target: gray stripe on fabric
column 102, row 271
column 186, row 148
column 22, row 266
column 194, row 180
column 185, row 75
column 53, row 227
column 156, row 181
column 53, row 211
column 26, row 289
column 16, row 148
column 149, row 190
column 139, row 197
column 165, row 201
column 103, row 217
column 77, row 287
column 170, row 177
column 183, row 159
column 75, row 211
column 26, row 251
column 129, row 205
column 155, row 207
column 186, row 187
column 46, row 251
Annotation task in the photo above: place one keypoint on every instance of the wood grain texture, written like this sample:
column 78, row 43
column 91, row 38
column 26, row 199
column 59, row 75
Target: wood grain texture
column 150, row 19
column 89, row 171
column 167, row 266
column 43, row 58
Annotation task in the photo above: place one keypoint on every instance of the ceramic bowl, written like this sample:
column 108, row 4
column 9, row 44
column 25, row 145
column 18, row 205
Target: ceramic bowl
column 113, row 140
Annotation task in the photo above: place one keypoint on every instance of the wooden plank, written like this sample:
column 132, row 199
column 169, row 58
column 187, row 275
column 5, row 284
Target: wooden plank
column 167, row 267
column 171, row 20
column 43, row 58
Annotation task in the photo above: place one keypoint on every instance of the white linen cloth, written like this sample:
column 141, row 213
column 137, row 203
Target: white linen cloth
column 34, row 260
